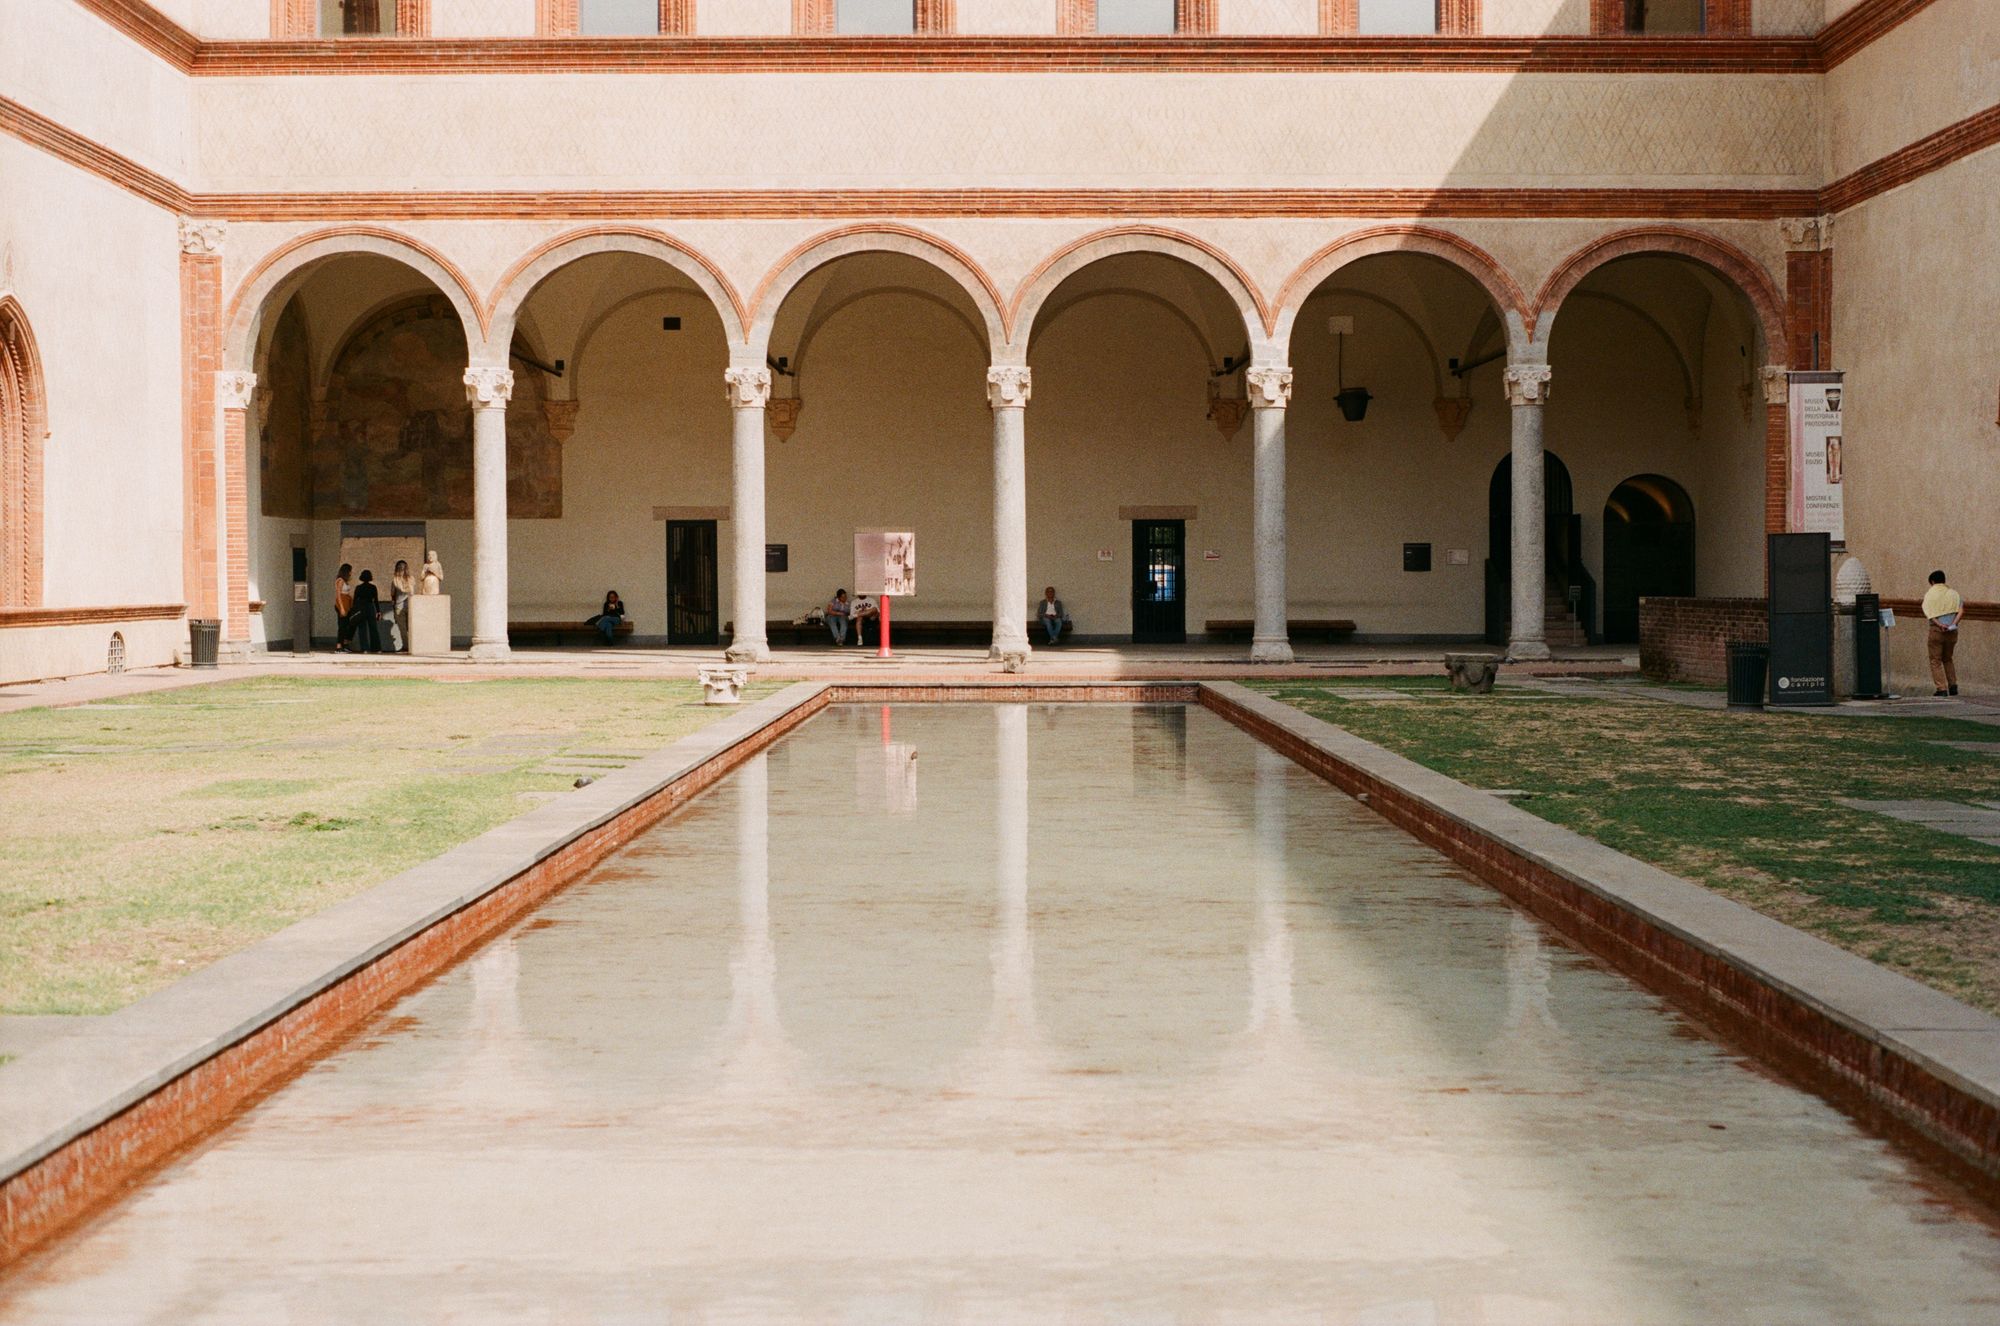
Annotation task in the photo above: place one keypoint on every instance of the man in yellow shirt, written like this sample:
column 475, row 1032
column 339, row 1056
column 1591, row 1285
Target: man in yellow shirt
column 1942, row 607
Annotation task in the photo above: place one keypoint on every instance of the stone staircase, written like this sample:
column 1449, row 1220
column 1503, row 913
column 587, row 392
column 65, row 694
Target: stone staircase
column 1559, row 625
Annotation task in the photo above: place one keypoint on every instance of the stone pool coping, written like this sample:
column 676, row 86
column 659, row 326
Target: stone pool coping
column 1906, row 1056
column 82, row 1116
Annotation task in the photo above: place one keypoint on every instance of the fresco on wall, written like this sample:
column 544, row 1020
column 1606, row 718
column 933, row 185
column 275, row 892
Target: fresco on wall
column 393, row 440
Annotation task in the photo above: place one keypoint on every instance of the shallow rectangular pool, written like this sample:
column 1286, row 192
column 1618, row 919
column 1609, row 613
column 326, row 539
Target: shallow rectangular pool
column 1029, row 1013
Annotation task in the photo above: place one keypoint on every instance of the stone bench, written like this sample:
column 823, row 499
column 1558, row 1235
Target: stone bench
column 1298, row 628
column 555, row 632
column 917, row 631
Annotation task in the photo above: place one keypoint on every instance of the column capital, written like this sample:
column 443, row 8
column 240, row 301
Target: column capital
column 1270, row 386
column 489, row 388
column 1806, row 234
column 1528, row 384
column 1777, row 385
column 202, row 238
column 749, row 388
column 234, row 390
column 1008, row 386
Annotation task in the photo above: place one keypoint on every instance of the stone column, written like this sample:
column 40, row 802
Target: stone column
column 1270, row 392
column 233, row 392
column 488, row 389
column 1528, row 392
column 749, row 390
column 1007, row 391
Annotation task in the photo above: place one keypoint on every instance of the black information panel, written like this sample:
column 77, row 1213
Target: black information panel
column 1801, row 578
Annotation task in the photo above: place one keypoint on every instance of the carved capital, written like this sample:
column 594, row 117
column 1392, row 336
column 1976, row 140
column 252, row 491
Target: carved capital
column 202, row 238
column 749, row 388
column 1777, row 385
column 783, row 416
column 489, row 388
column 562, row 418
column 1008, row 387
column 1807, row 234
column 1270, row 388
column 1226, row 411
column 233, row 390
column 1452, row 412
column 1528, row 384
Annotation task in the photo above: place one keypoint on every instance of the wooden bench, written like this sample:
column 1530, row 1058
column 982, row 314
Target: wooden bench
column 555, row 632
column 919, row 631
column 1297, row 628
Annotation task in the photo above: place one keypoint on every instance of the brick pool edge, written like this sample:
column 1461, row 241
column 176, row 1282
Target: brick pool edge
column 82, row 1118
column 1916, row 1062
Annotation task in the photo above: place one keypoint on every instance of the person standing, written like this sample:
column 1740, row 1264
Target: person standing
column 367, row 611
column 343, row 606
column 1942, row 608
column 401, row 586
column 1053, row 615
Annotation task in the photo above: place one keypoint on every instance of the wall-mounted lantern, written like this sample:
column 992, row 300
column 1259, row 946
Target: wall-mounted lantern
column 1353, row 401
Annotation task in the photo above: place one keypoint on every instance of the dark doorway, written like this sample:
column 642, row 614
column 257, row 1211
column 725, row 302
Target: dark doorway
column 1159, row 582
column 1648, row 550
column 693, row 610
column 1569, row 585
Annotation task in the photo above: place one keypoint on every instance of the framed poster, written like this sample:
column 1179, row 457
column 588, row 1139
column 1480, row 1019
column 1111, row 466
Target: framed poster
column 885, row 562
column 1817, row 423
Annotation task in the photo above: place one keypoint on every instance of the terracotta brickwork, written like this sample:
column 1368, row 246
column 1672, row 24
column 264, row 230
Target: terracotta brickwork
column 201, row 357
column 1687, row 639
column 1194, row 16
column 818, row 17
column 1721, row 18
column 1455, row 18
column 677, row 17
column 23, row 426
column 556, row 18
column 236, row 502
column 1777, row 469
column 1809, row 309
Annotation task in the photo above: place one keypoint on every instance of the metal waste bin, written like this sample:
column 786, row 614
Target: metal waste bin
column 1748, row 665
column 206, row 636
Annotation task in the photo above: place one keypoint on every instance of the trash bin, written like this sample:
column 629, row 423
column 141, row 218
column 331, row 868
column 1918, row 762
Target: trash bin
column 207, row 639
column 1747, row 666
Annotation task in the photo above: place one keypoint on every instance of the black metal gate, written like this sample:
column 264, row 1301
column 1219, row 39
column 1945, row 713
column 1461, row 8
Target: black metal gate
column 1159, row 582
column 693, row 609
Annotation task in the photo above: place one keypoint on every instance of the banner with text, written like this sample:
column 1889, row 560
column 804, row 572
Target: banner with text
column 1817, row 424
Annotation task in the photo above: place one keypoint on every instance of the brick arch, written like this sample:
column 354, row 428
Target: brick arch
column 1052, row 271
column 1510, row 301
column 503, row 306
column 820, row 250
column 24, row 426
column 1716, row 254
column 281, row 271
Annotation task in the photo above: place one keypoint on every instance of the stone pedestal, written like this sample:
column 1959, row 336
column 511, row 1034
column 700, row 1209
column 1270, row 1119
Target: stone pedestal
column 430, row 625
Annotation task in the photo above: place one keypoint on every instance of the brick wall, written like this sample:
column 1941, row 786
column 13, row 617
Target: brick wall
column 1687, row 639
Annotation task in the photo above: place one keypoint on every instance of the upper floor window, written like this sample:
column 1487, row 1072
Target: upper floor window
column 358, row 18
column 874, row 16
column 1665, row 15
column 1142, row 16
column 618, row 18
column 1387, row 18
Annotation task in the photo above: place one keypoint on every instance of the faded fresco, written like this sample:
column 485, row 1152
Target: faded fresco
column 394, row 438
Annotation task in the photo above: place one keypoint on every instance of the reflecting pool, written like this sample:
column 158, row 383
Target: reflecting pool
column 1046, row 1013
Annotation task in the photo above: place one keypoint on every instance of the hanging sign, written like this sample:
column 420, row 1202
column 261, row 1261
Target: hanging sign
column 885, row 562
column 1817, row 420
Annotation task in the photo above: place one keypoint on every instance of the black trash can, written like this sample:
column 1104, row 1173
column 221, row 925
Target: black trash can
column 207, row 639
column 1748, row 665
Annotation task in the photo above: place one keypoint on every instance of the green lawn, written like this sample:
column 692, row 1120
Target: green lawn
column 147, row 837
column 1743, row 803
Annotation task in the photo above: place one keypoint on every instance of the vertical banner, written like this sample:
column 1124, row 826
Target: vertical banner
column 885, row 562
column 1817, row 422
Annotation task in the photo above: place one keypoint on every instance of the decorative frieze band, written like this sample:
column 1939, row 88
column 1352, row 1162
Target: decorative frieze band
column 1528, row 384
column 489, row 388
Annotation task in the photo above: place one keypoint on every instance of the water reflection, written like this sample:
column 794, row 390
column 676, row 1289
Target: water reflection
column 756, row 1056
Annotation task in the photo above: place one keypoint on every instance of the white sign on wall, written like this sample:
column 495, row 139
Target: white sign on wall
column 1818, row 428
column 885, row 562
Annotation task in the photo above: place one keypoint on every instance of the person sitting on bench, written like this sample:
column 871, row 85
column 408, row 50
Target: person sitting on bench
column 837, row 612
column 862, row 611
column 609, row 617
column 1053, row 615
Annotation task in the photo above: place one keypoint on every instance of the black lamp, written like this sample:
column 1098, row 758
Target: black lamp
column 1353, row 401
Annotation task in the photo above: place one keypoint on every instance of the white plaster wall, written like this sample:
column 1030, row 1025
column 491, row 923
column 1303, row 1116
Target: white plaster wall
column 1267, row 17
column 1916, row 316
column 482, row 18
column 1007, row 130
column 1537, row 18
column 1011, row 17
column 72, row 651
column 219, row 20
column 1787, row 18
column 1933, row 70
column 97, row 273
column 743, row 18
column 61, row 61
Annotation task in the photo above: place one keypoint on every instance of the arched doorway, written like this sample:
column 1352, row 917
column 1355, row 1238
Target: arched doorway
column 1648, row 549
column 1570, row 586
column 22, row 427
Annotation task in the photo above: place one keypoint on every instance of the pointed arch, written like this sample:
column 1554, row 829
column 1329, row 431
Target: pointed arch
column 24, row 427
column 512, row 290
column 1717, row 254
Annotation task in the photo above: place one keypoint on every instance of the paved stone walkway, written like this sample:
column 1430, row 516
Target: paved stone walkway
column 1979, row 822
